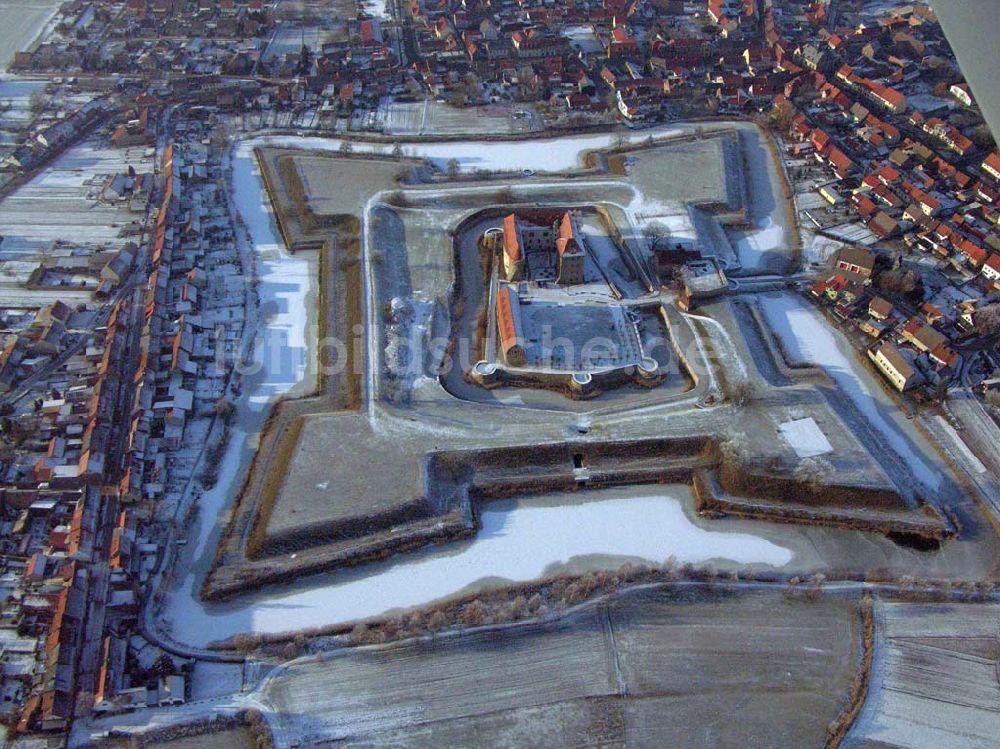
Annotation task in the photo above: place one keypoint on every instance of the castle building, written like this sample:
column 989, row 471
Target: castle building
column 557, row 248
column 509, row 327
column 570, row 249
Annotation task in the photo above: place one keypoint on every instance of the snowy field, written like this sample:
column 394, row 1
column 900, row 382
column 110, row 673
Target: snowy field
column 23, row 21
column 808, row 338
column 518, row 541
column 408, row 118
column 15, row 101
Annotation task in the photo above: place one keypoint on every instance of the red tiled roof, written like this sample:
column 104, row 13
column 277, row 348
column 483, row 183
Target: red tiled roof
column 944, row 355
column 506, row 324
column 974, row 252
column 511, row 245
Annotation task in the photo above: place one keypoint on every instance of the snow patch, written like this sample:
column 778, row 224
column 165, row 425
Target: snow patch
column 804, row 436
column 754, row 246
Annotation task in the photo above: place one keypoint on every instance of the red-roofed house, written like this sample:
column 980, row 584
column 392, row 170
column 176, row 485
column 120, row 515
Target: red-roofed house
column 943, row 355
column 976, row 254
column 820, row 141
column 864, row 205
column 570, row 251
column 513, row 256
column 923, row 337
column 888, row 97
column 991, row 165
column 841, row 163
column 991, row 269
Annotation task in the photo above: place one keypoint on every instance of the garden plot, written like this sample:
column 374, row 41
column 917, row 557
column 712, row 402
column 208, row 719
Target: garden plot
column 15, row 102
column 62, row 203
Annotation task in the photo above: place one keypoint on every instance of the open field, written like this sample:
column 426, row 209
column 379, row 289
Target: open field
column 234, row 738
column 692, row 171
column 430, row 116
column 934, row 680
column 648, row 669
column 23, row 20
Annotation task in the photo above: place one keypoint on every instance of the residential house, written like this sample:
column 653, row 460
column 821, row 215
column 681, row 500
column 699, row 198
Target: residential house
column 856, row 260
column 895, row 366
column 879, row 308
column 923, row 337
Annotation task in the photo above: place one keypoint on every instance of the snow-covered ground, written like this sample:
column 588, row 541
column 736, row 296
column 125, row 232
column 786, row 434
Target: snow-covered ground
column 61, row 202
column 768, row 237
column 551, row 155
column 518, row 541
column 23, row 21
column 15, row 101
column 805, row 437
column 808, row 338
column 583, row 38
column 756, row 245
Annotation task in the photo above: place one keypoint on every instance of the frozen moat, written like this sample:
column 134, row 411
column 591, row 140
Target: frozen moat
column 518, row 541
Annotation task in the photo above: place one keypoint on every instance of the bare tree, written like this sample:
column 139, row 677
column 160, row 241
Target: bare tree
column 473, row 613
column 36, row 102
column 987, row 319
